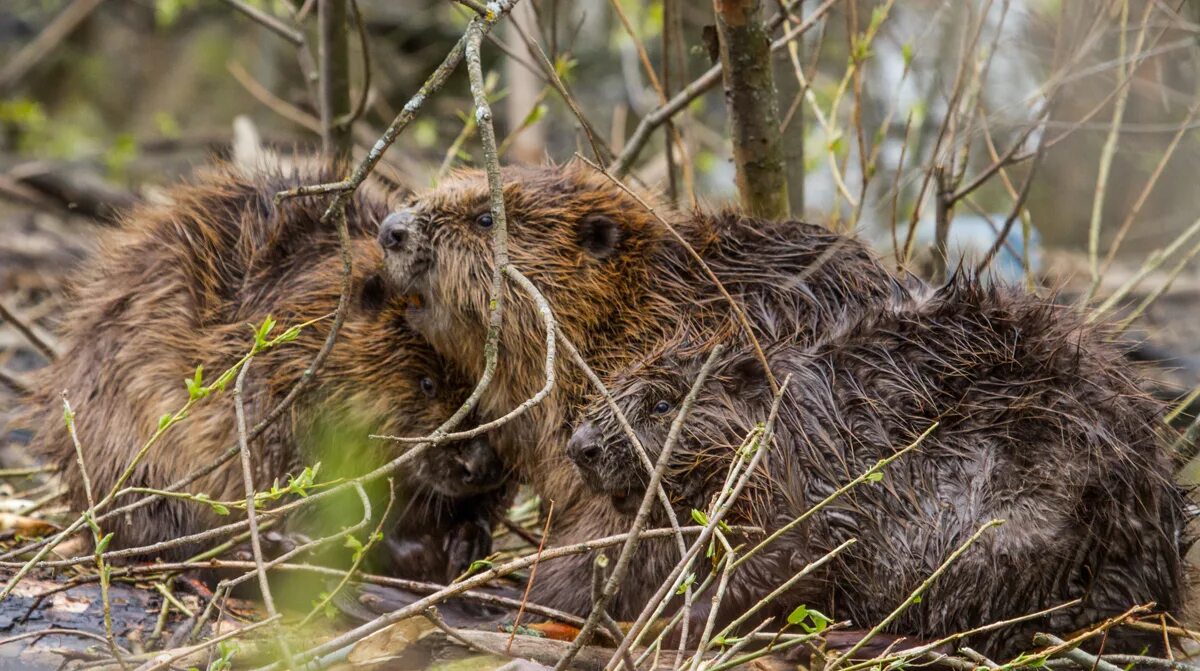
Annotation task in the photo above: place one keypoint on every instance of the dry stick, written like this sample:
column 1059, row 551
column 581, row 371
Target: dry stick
column 916, row 593
column 903, row 657
column 478, row 580
column 97, row 535
column 1086, row 660
column 599, row 565
column 271, row 101
column 711, row 77
column 737, row 308
column 1152, row 262
column 1148, row 187
column 1162, row 288
column 41, row 344
column 474, row 6
column 15, row 383
column 264, row 585
column 268, row 21
column 51, row 632
column 1109, row 150
column 541, row 546
column 626, row 556
column 51, row 36
column 1002, row 236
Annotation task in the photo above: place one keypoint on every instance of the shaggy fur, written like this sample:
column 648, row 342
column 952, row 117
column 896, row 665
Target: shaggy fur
column 181, row 285
column 1041, row 424
column 617, row 281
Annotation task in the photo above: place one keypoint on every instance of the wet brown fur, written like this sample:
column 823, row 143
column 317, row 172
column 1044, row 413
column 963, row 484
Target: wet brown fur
column 611, row 307
column 613, row 296
column 1041, row 424
column 181, row 285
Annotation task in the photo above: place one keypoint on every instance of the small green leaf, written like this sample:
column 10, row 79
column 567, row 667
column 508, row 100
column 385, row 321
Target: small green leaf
column 819, row 621
column 907, row 52
column 195, row 385
column 798, row 615
column 103, row 544
column 289, row 335
column 687, row 582
column 875, row 476
column 164, row 421
column 699, row 517
column 478, row 565
column 916, row 599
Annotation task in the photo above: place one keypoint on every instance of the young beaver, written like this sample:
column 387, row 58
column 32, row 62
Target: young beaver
column 616, row 280
column 1040, row 424
column 182, row 285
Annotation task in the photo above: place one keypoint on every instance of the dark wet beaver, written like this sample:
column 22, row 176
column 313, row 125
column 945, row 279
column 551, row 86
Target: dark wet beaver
column 182, row 285
column 1040, row 423
column 616, row 279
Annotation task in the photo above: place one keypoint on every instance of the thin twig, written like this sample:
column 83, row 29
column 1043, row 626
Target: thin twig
column 267, row 21
column 541, row 547
column 40, row 343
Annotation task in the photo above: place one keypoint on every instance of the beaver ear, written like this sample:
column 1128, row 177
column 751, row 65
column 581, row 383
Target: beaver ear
column 747, row 378
column 598, row 235
column 373, row 294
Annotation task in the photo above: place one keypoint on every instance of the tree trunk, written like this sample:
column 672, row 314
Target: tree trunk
column 334, row 54
column 753, row 110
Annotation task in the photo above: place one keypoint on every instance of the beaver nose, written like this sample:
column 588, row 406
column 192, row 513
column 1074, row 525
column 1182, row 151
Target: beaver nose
column 481, row 465
column 395, row 230
column 583, row 448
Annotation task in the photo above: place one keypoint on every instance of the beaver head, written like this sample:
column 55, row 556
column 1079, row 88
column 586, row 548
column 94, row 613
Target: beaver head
column 733, row 400
column 582, row 240
column 383, row 378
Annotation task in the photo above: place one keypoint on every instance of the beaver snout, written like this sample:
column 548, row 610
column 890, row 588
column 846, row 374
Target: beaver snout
column 480, row 465
column 397, row 230
column 584, row 447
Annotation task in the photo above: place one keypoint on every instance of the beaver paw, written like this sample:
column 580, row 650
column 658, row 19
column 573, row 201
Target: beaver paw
column 466, row 543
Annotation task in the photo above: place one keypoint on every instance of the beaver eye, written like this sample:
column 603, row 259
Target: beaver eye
column 428, row 386
column 662, row 408
column 484, row 220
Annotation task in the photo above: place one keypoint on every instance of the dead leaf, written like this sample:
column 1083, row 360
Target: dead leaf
column 555, row 631
column 390, row 641
column 29, row 527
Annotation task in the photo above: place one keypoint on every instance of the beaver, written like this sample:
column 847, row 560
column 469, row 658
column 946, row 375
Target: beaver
column 615, row 278
column 1040, row 422
column 176, row 286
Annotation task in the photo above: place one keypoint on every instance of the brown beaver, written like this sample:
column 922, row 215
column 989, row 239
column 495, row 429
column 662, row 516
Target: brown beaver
column 616, row 280
column 179, row 286
column 1040, row 423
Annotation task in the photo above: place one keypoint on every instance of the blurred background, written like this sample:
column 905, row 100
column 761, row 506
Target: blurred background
column 1068, row 125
